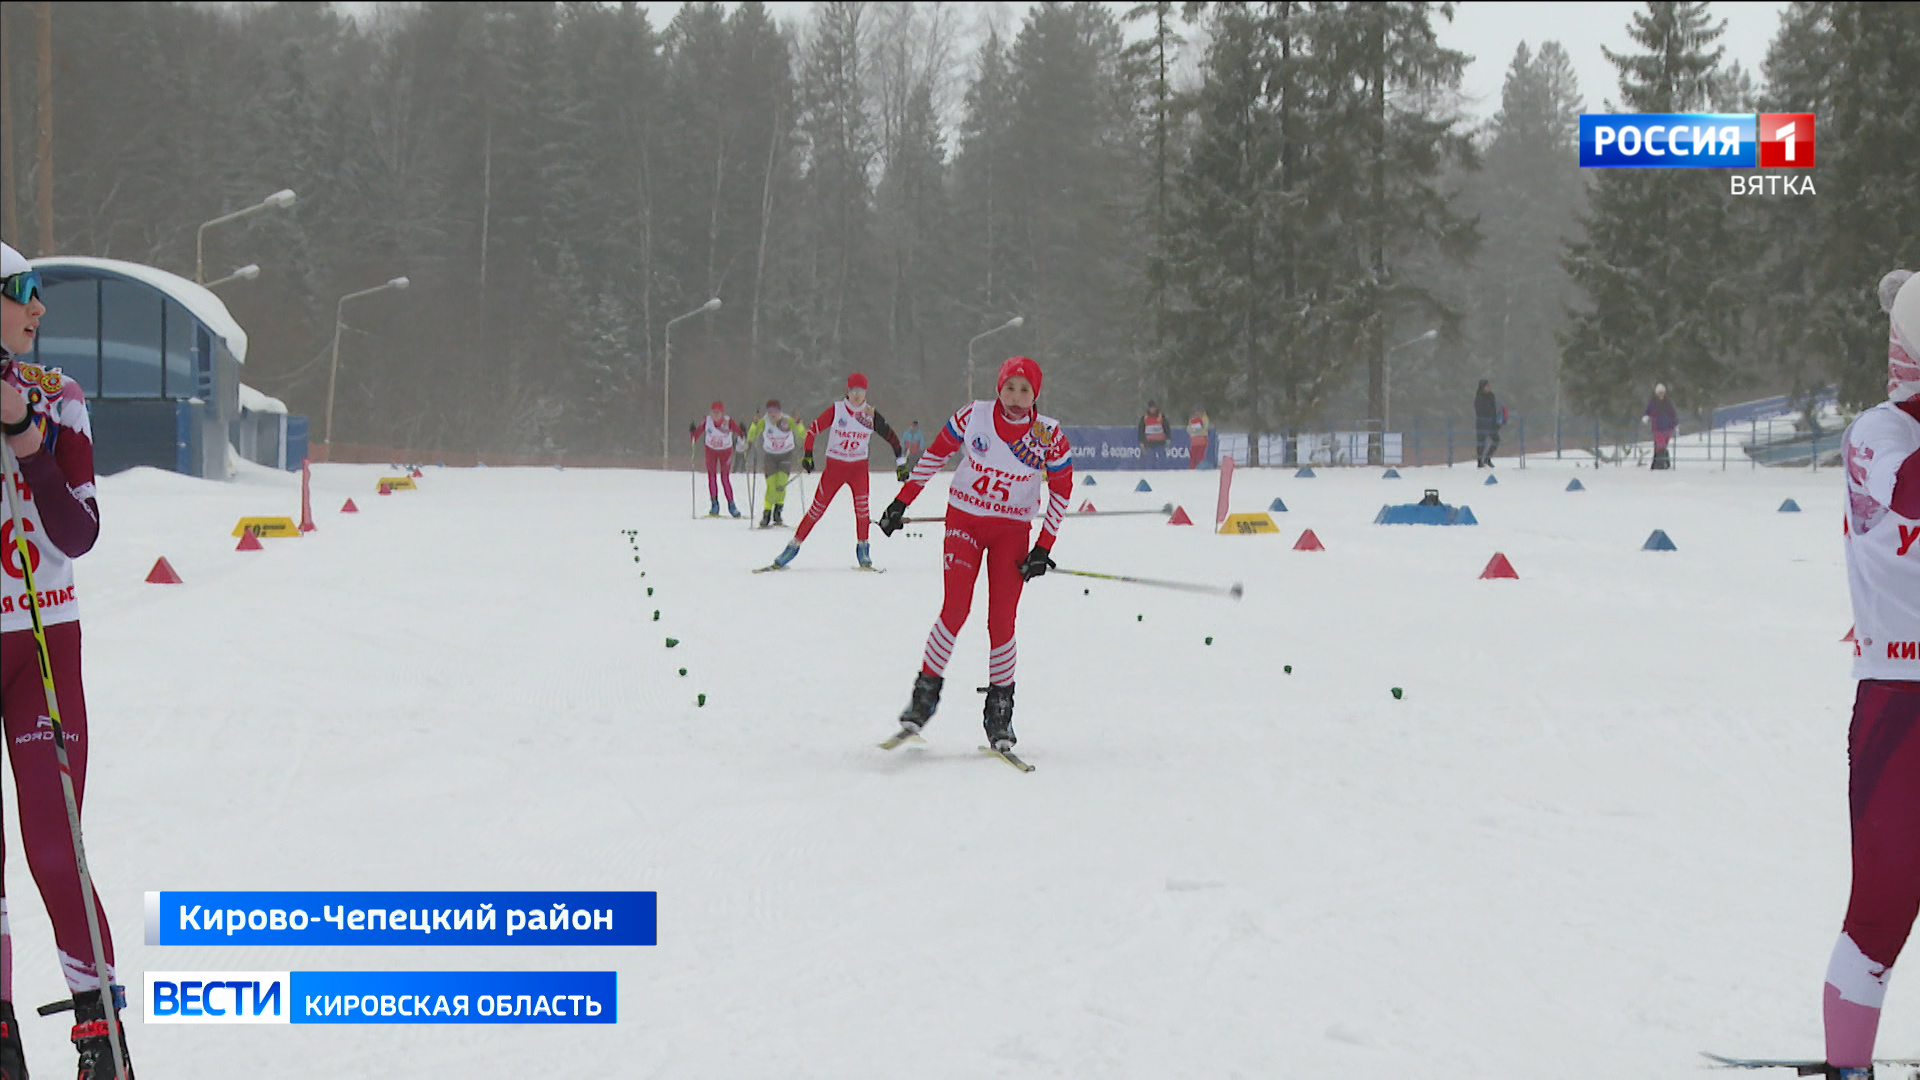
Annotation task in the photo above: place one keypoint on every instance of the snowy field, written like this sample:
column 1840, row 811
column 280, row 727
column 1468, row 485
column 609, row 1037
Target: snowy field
column 1603, row 830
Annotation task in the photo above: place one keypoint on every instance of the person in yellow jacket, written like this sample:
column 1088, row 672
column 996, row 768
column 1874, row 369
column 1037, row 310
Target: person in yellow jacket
column 778, row 437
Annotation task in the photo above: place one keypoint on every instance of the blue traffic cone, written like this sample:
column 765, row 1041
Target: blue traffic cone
column 1089, row 481
column 1575, row 485
column 1659, row 541
column 1491, row 480
column 1143, row 486
column 1276, row 506
column 1390, row 474
column 1789, row 507
column 1305, row 473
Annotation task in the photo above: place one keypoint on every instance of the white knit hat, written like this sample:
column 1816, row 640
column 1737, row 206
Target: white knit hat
column 11, row 261
column 1903, row 359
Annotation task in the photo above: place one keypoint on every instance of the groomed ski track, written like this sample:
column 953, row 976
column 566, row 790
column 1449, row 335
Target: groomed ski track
column 1604, row 828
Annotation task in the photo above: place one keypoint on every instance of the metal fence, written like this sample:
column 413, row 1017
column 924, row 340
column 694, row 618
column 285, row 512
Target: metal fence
column 1774, row 442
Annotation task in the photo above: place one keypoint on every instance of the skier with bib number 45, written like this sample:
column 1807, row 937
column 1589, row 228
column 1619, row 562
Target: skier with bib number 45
column 1014, row 461
column 850, row 425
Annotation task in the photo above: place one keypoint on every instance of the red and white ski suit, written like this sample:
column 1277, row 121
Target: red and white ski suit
column 717, row 437
column 1008, row 469
column 849, row 431
column 1881, row 454
column 61, row 520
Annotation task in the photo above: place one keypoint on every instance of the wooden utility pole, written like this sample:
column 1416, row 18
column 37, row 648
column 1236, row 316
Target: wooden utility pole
column 44, row 91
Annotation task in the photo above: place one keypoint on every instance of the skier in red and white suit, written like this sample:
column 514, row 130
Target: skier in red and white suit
column 717, row 432
column 850, row 425
column 1881, row 453
column 1014, row 460
column 43, row 417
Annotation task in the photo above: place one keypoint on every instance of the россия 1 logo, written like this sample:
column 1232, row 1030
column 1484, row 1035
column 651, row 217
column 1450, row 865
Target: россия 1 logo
column 1705, row 141
column 1696, row 141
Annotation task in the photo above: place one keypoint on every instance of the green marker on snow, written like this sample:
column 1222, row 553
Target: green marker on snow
column 1288, row 669
column 1139, row 618
column 649, row 590
column 683, row 672
column 1396, row 693
column 672, row 641
column 702, row 702
column 656, row 616
column 1209, row 641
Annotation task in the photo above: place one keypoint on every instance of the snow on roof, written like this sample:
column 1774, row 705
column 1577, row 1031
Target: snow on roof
column 252, row 400
column 197, row 299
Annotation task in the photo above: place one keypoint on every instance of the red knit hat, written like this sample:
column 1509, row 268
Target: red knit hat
column 773, row 403
column 856, row 381
column 717, row 407
column 1022, row 366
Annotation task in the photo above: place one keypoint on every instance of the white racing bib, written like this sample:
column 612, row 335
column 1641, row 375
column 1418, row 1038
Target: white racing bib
column 718, row 437
column 998, row 480
column 852, row 431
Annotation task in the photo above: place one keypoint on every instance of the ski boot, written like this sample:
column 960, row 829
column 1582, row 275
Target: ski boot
column 732, row 509
column 776, row 513
column 13, row 1060
column 713, row 508
column 926, row 699
column 787, row 555
column 999, row 717
column 861, row 552
column 90, row 1037
column 766, row 519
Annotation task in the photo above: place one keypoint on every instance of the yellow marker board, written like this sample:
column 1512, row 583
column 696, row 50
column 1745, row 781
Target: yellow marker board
column 397, row 483
column 1248, row 524
column 267, row 526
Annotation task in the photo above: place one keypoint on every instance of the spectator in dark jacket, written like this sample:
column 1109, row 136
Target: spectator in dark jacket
column 1156, row 431
column 1664, row 421
column 1486, row 424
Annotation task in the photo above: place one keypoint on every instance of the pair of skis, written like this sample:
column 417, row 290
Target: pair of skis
column 1799, row 1066
column 902, row 737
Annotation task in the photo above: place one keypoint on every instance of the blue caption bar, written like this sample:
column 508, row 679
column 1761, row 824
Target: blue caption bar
column 454, row 997
column 1668, row 141
column 401, row 918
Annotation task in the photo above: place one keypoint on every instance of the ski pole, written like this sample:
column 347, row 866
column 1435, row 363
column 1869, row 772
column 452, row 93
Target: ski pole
column 1163, row 511
column 88, row 900
column 1235, row 590
column 693, row 485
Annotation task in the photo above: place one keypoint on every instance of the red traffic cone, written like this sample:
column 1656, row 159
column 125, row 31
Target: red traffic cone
column 1498, row 567
column 415, row 474
column 1086, row 507
column 1849, row 636
column 386, row 489
column 249, row 542
column 162, row 573
column 1179, row 517
column 349, row 508
column 1308, row 542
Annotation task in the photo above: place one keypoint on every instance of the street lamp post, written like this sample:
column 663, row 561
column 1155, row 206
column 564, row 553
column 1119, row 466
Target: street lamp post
column 1011, row 324
column 279, row 200
column 245, row 273
column 666, row 378
column 1386, row 421
column 333, row 373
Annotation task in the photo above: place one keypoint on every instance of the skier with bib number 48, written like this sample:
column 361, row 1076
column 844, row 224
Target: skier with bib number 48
column 850, row 425
column 1881, row 457
column 1014, row 461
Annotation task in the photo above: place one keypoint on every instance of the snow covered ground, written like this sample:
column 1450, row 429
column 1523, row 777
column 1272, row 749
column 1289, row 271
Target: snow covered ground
column 1604, row 829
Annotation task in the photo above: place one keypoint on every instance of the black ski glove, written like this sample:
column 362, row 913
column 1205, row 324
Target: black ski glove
column 806, row 461
column 892, row 518
column 1039, row 561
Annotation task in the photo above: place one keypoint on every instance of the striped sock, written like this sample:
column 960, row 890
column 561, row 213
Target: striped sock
column 1000, row 664
column 939, row 650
